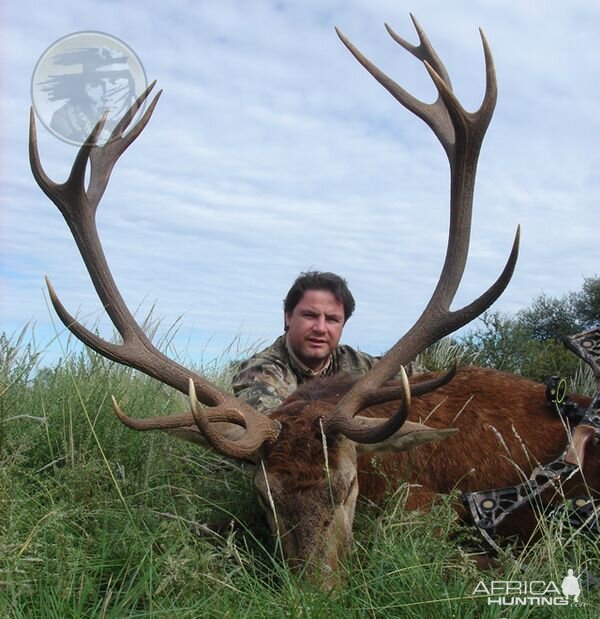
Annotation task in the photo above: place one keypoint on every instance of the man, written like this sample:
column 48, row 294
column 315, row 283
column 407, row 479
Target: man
column 316, row 309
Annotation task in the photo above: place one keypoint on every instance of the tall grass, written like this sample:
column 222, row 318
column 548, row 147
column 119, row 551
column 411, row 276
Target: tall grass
column 99, row 521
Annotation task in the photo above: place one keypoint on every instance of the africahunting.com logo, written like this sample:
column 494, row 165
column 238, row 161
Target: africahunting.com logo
column 530, row 593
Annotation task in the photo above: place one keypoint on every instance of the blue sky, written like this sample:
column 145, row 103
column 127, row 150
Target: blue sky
column 272, row 152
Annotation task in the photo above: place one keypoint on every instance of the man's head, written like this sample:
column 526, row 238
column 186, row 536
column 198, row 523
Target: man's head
column 315, row 310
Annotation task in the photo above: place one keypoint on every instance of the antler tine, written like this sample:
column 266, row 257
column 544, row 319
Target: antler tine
column 78, row 207
column 122, row 125
column 61, row 193
column 413, row 104
column 179, row 420
column 461, row 134
column 423, row 51
column 342, row 420
column 104, row 158
column 488, row 105
column 183, row 425
column 394, row 392
column 105, row 348
column 263, row 429
column 467, row 313
column 437, row 114
column 47, row 185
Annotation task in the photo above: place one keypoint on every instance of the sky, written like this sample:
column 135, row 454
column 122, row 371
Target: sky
column 272, row 151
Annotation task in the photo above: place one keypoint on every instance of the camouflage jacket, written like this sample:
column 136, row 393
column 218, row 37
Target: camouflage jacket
column 271, row 375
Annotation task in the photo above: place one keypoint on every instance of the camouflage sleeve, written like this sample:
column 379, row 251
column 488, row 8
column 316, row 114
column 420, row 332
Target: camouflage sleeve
column 263, row 383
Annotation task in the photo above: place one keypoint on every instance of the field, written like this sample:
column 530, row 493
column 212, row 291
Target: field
column 100, row 521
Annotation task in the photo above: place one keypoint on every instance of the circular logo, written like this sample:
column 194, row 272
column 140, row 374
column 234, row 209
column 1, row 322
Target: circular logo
column 81, row 77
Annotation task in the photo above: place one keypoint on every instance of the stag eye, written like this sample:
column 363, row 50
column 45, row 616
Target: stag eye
column 350, row 490
column 264, row 505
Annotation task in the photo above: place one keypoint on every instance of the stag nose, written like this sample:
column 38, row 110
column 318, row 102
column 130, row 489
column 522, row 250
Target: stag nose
column 316, row 570
column 326, row 577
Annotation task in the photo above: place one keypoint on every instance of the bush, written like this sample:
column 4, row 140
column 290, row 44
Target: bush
column 529, row 343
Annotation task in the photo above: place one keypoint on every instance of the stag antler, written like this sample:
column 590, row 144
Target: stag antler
column 461, row 135
column 78, row 205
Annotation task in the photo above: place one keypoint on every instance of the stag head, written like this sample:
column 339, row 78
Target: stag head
column 305, row 451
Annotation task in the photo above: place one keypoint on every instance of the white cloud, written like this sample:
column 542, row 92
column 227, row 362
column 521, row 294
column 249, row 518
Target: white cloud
column 272, row 151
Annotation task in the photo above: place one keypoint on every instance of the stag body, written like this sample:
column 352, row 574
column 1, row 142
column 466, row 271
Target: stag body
column 505, row 429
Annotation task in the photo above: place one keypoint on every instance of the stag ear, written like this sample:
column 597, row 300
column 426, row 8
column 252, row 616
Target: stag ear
column 410, row 435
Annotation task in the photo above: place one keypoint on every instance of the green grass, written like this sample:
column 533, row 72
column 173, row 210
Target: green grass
column 100, row 521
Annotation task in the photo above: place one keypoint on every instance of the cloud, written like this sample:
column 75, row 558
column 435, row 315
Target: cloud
column 272, row 151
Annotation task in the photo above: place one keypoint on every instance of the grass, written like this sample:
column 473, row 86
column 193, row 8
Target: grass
column 99, row 521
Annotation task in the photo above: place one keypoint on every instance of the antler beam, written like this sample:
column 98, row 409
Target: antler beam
column 78, row 205
column 461, row 134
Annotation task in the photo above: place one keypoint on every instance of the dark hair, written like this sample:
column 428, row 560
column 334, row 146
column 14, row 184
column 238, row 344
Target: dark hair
column 317, row 280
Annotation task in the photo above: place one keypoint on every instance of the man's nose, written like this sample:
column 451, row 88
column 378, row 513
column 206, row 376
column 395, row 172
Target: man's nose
column 319, row 324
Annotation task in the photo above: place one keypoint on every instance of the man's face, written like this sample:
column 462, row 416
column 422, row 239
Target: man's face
column 315, row 327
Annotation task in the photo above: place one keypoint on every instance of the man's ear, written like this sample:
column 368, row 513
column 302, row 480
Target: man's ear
column 286, row 318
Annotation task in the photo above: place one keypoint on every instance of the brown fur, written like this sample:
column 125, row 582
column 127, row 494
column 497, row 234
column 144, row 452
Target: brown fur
column 329, row 389
column 298, row 453
column 506, row 430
